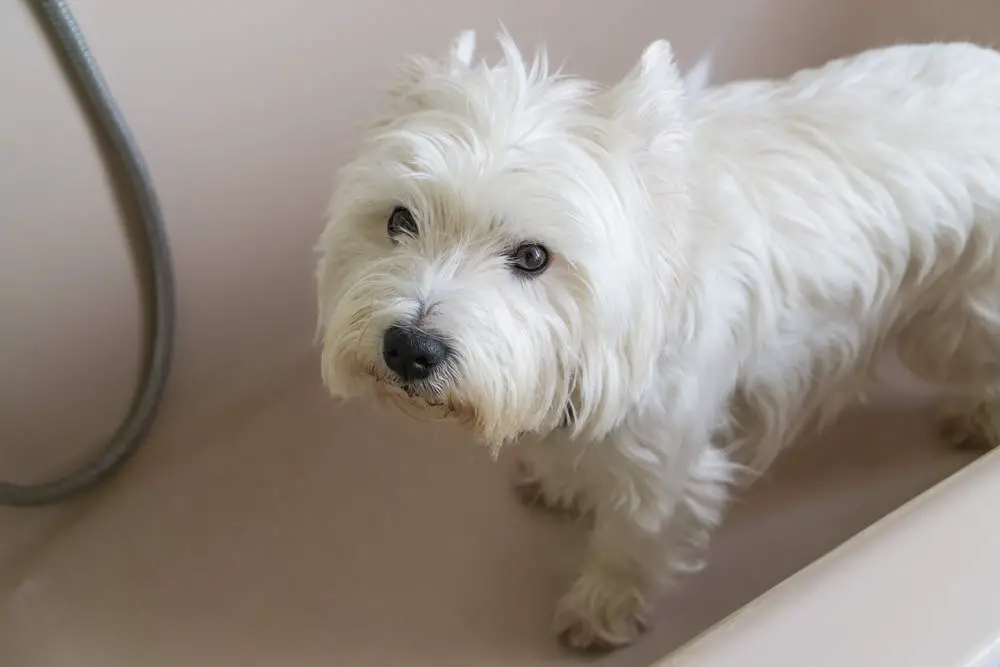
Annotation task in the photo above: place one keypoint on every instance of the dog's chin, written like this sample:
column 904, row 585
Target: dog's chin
column 418, row 402
column 423, row 405
column 413, row 403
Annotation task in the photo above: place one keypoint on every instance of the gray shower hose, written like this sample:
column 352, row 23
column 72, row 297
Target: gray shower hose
column 56, row 15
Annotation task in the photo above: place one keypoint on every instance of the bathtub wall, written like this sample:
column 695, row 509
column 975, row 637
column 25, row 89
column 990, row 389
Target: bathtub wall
column 244, row 109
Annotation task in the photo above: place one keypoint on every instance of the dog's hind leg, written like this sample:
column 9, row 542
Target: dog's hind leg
column 976, row 426
column 958, row 348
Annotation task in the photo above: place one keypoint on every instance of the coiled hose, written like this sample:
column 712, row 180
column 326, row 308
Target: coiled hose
column 57, row 17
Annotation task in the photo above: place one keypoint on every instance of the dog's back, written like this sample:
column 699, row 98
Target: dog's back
column 866, row 194
column 888, row 161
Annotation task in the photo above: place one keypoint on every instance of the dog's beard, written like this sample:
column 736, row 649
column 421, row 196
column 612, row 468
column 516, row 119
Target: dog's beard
column 421, row 399
column 429, row 401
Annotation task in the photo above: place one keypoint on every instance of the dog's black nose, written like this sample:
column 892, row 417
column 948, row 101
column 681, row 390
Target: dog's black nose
column 412, row 354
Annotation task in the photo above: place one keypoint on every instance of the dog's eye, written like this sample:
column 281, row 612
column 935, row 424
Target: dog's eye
column 529, row 258
column 401, row 222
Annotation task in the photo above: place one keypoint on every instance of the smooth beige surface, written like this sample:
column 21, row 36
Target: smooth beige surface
column 925, row 577
column 261, row 524
column 297, row 535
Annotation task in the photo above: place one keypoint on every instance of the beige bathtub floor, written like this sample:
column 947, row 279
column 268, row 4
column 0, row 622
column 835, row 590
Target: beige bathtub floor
column 302, row 534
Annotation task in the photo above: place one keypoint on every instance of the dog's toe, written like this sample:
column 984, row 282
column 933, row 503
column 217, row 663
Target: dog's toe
column 978, row 429
column 599, row 614
column 580, row 632
column 580, row 635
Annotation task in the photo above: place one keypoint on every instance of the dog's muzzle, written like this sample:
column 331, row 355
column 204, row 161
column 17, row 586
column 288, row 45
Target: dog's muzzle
column 412, row 354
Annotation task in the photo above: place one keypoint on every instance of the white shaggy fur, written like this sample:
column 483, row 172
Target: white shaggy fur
column 727, row 266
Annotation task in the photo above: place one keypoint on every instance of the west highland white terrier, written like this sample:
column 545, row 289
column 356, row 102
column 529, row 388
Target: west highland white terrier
column 651, row 289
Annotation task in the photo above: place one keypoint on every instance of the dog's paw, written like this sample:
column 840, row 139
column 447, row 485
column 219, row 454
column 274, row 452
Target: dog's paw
column 600, row 614
column 532, row 491
column 978, row 429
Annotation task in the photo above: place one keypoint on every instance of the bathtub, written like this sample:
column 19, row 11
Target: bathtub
column 263, row 524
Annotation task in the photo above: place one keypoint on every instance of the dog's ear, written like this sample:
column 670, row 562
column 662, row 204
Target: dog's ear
column 463, row 48
column 647, row 103
column 413, row 70
column 408, row 74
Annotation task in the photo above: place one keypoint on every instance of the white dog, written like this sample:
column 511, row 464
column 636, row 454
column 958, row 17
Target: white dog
column 638, row 283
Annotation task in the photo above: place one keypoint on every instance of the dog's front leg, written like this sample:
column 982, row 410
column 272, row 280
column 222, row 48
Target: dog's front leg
column 653, row 521
column 547, row 475
column 606, row 605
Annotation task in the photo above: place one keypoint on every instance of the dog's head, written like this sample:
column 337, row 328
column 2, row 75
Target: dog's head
column 493, row 253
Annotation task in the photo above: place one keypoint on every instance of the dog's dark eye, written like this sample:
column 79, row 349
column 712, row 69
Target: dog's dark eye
column 529, row 258
column 401, row 222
